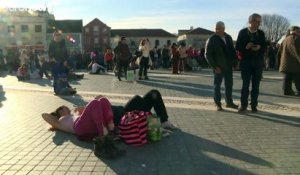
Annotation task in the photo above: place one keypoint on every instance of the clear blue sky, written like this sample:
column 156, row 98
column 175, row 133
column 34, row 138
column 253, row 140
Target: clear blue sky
column 170, row 15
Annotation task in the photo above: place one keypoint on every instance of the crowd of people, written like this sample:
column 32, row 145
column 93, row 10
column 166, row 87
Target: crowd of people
column 251, row 54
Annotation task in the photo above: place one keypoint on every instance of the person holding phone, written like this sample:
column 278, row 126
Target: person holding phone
column 251, row 44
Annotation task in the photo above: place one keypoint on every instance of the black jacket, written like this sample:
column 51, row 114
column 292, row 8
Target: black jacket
column 219, row 54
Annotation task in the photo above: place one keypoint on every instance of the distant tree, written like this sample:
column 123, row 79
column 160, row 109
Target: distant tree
column 274, row 26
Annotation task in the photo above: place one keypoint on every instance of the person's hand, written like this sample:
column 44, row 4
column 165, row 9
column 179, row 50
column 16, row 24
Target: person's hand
column 79, row 109
column 218, row 70
column 249, row 45
column 255, row 47
column 51, row 128
column 98, row 97
column 53, row 60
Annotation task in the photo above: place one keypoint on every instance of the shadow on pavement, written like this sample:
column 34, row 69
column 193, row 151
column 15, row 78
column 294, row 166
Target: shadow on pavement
column 60, row 137
column 39, row 81
column 191, row 88
column 182, row 153
column 76, row 100
column 2, row 96
column 282, row 119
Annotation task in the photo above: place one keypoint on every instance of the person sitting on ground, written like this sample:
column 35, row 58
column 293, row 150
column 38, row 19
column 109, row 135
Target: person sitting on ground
column 92, row 122
column 22, row 73
column 95, row 67
column 70, row 74
column 62, row 86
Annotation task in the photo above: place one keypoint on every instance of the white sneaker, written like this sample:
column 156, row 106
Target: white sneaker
column 168, row 125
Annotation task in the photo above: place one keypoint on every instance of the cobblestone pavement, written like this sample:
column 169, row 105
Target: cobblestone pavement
column 207, row 142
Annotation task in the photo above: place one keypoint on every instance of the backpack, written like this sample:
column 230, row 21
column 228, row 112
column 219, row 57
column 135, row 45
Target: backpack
column 133, row 127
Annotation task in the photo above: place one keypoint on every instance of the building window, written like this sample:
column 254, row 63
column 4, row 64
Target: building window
column 11, row 29
column 156, row 42
column 87, row 30
column 38, row 40
column 105, row 40
column 12, row 41
column 38, row 28
column 24, row 28
column 96, row 40
column 25, row 41
column 96, row 28
column 168, row 42
column 104, row 30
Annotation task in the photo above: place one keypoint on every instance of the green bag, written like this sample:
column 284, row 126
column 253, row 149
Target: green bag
column 154, row 131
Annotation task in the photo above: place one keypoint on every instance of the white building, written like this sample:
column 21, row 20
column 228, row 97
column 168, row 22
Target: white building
column 23, row 28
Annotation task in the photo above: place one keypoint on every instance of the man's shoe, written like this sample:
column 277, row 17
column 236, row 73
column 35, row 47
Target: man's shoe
column 232, row 105
column 254, row 109
column 242, row 109
column 219, row 108
column 119, row 79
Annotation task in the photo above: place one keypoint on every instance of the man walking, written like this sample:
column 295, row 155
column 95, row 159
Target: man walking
column 251, row 45
column 220, row 54
column 289, row 59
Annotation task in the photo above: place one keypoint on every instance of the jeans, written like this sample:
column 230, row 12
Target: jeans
column 227, row 75
column 151, row 99
column 143, row 66
column 250, row 71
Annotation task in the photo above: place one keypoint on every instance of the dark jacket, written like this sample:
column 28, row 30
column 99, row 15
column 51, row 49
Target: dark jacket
column 245, row 37
column 58, row 50
column 289, row 54
column 219, row 54
column 122, row 52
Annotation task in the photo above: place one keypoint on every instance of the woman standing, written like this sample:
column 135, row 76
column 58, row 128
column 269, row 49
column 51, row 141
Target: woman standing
column 175, row 58
column 144, row 48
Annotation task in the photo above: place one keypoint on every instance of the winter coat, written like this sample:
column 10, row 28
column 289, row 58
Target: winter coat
column 219, row 54
column 289, row 54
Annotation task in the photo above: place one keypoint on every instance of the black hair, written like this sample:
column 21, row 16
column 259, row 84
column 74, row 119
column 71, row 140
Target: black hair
column 56, row 112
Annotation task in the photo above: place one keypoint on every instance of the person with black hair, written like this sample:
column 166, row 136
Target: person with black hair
column 122, row 57
column 97, row 120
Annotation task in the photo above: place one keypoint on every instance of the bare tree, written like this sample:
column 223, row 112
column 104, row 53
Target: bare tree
column 274, row 26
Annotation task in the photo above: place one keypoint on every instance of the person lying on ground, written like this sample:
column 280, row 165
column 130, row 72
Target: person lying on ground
column 94, row 122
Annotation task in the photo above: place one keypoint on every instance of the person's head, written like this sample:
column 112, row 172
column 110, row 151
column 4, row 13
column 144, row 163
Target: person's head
column 254, row 21
column 220, row 28
column 174, row 45
column 143, row 41
column 61, row 111
column 123, row 40
column 57, row 35
column 295, row 30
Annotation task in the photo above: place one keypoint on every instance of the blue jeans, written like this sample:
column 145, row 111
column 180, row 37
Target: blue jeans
column 218, row 78
column 250, row 71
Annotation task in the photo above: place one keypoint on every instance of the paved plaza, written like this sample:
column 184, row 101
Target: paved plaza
column 207, row 141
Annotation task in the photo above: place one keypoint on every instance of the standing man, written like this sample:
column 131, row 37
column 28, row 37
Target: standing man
column 122, row 57
column 220, row 54
column 289, row 59
column 251, row 44
column 57, row 54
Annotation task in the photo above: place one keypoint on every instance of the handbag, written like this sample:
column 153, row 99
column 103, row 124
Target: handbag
column 133, row 127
